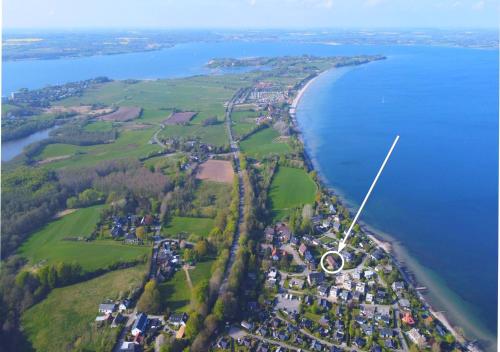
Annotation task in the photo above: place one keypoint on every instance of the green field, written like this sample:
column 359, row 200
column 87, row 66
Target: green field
column 176, row 293
column 290, row 188
column 243, row 121
column 99, row 126
column 129, row 144
column 264, row 143
column 59, row 321
column 50, row 244
column 197, row 226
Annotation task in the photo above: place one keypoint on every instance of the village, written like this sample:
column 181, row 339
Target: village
column 367, row 304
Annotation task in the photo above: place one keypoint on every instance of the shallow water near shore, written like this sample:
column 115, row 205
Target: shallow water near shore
column 437, row 197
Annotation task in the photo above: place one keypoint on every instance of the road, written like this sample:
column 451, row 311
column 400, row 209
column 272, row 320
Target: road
column 241, row 192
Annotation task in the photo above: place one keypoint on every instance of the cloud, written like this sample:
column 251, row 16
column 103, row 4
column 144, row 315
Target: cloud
column 252, row 2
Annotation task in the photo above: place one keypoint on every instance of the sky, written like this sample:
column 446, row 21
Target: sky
column 250, row 13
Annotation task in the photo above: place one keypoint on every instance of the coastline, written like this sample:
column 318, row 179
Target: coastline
column 389, row 245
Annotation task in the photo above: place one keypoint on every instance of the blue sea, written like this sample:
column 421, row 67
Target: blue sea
column 437, row 198
column 438, row 194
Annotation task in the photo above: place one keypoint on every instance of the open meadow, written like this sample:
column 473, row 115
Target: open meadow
column 264, row 143
column 290, row 188
column 57, row 242
column 63, row 321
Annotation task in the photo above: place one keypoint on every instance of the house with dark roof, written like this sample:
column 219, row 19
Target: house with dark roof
column 177, row 319
column 315, row 278
column 140, row 323
column 107, row 308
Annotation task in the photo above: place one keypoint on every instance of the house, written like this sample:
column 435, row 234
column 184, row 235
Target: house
column 118, row 320
column 331, row 262
column 124, row 305
column 247, row 325
column 356, row 296
column 315, row 278
column 323, row 289
column 104, row 319
column 389, row 344
column 377, row 254
column 368, row 310
column 369, row 274
column 349, row 256
column 384, row 310
column 369, row 298
column 357, row 274
column 416, row 337
column 361, row 287
column 376, row 348
column 334, row 292
column 296, row 283
column 336, row 226
column 140, row 323
column 178, row 319
column 359, row 342
column 347, row 285
column 404, row 303
column 131, row 239
column 408, row 319
column 272, row 276
column 269, row 234
column 344, row 295
column 398, row 286
column 367, row 329
column 107, row 308
column 323, row 303
column 302, row 249
column 127, row 346
column 284, row 232
column 386, row 333
column 223, row 343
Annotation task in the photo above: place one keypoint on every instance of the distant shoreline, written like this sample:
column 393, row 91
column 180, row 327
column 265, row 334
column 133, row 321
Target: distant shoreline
column 372, row 233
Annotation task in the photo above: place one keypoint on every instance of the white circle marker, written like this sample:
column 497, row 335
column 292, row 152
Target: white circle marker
column 332, row 271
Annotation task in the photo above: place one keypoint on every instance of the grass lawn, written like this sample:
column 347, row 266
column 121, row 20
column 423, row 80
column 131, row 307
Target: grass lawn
column 99, row 126
column 264, row 143
column 197, row 226
column 65, row 316
column 290, row 188
column 214, row 134
column 49, row 245
column 131, row 144
column 176, row 293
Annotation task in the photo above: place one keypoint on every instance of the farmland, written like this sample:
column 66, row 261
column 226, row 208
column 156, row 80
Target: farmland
column 56, row 242
column 264, row 143
column 59, row 322
column 216, row 170
column 290, row 188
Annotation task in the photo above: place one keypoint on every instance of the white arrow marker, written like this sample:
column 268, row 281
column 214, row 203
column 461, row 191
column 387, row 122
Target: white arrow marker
column 342, row 243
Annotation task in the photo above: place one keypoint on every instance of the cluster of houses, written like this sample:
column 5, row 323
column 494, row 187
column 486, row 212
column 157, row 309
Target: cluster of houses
column 148, row 326
column 265, row 93
column 43, row 96
column 124, row 227
column 113, row 313
column 166, row 259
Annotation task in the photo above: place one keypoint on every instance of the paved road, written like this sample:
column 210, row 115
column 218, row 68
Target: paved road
column 234, row 150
